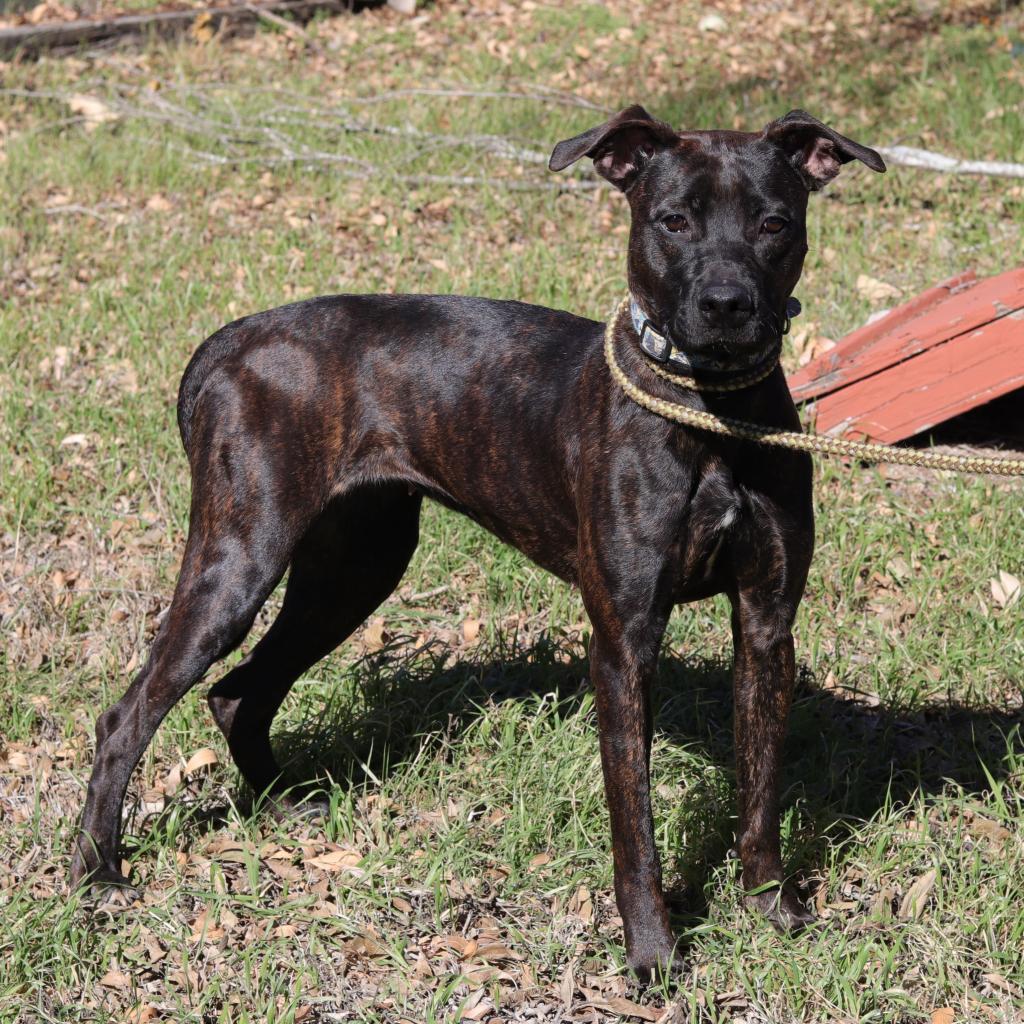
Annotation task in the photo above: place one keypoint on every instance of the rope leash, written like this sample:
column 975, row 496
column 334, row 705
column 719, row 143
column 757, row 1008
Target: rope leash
column 737, row 384
column 731, row 427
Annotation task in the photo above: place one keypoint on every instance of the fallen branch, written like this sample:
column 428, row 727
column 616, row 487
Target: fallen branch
column 925, row 159
column 33, row 39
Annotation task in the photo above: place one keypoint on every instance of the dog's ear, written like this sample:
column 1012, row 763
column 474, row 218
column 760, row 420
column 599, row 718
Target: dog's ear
column 619, row 148
column 816, row 150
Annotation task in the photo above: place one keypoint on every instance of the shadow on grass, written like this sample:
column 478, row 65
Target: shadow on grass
column 846, row 758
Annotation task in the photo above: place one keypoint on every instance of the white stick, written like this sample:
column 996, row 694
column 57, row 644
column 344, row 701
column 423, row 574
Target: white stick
column 908, row 156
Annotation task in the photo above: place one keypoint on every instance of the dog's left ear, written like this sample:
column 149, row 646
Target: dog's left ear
column 619, row 148
column 816, row 150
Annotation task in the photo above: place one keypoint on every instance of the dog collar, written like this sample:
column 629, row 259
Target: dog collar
column 659, row 347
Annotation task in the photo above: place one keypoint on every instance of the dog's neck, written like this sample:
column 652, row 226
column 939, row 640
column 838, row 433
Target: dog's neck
column 662, row 349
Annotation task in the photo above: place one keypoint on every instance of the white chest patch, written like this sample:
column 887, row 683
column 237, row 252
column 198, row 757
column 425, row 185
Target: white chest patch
column 726, row 521
column 728, row 518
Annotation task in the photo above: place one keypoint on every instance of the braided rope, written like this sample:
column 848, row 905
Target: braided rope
column 731, row 427
column 755, row 376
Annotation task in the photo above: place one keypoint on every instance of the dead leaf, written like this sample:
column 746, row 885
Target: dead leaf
column 337, row 860
column 496, row 951
column 1005, row 588
column 620, row 1004
column 917, row 896
column 476, row 1006
column 874, row 290
column 943, row 1015
column 422, row 970
column 374, row 635
column 158, row 203
column 172, row 780
column 365, row 945
column 734, row 999
column 203, row 29
column 470, row 630
column 204, row 757
column 582, row 905
column 92, row 110
column 289, row 872
column 998, row 981
column 76, row 441
column 712, row 22
column 115, row 979
column 809, row 343
column 566, row 986
column 986, row 828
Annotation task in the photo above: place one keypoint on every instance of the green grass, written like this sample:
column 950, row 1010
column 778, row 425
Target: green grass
column 464, row 777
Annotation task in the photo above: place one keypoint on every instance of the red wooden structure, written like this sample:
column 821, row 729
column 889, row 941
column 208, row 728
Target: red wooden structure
column 956, row 346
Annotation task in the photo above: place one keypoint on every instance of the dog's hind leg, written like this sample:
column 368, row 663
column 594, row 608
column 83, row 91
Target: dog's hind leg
column 228, row 571
column 349, row 561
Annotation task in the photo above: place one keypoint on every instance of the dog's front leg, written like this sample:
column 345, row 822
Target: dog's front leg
column 627, row 633
column 764, row 673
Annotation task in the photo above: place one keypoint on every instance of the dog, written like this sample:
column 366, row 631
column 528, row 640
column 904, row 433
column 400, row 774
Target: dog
column 315, row 430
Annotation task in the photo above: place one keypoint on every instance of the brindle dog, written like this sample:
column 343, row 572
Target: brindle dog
column 314, row 431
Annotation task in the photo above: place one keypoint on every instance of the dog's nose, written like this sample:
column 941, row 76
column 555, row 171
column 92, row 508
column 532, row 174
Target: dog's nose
column 726, row 304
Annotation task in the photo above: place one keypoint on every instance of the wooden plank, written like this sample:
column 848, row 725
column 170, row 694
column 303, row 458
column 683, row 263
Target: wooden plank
column 32, row 39
column 851, row 358
column 968, row 370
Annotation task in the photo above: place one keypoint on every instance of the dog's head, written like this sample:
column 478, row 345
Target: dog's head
column 718, row 234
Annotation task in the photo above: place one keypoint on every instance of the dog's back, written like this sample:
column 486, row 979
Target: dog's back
column 411, row 326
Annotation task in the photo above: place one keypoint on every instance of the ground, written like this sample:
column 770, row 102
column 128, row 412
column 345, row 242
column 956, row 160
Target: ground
column 150, row 194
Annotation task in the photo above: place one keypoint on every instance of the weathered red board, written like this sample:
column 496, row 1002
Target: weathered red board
column 954, row 347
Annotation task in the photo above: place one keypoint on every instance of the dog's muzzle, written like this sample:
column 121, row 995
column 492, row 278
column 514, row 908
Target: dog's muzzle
column 660, row 347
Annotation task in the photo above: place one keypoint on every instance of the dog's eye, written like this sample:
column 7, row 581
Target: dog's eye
column 675, row 222
column 773, row 225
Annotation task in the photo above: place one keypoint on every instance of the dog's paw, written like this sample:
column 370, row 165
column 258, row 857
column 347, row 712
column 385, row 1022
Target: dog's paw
column 89, row 871
column 783, row 908
column 654, row 962
column 104, row 889
column 113, row 897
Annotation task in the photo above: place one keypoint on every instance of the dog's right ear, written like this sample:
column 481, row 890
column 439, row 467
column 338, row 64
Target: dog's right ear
column 619, row 148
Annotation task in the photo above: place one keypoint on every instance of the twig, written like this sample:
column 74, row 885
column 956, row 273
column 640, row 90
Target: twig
column 925, row 159
column 424, row 595
column 68, row 208
column 539, row 96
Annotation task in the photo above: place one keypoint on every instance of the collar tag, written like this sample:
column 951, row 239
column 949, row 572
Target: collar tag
column 656, row 345
column 652, row 342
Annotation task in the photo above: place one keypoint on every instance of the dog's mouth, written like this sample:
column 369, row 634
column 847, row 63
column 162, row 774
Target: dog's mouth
column 723, row 350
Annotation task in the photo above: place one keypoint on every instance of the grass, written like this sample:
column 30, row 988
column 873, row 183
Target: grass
column 464, row 869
